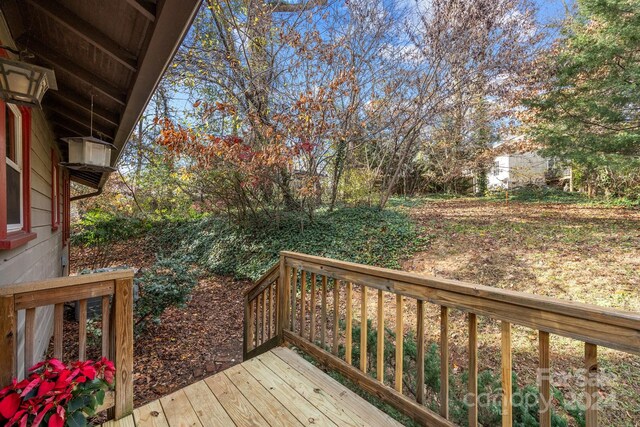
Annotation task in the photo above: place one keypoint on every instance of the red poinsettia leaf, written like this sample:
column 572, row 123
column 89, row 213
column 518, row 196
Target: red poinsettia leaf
column 57, row 365
column 56, row 420
column 109, row 376
column 37, row 365
column 88, row 371
column 45, row 388
column 23, row 420
column 64, row 380
column 33, row 384
column 40, row 415
column 9, row 405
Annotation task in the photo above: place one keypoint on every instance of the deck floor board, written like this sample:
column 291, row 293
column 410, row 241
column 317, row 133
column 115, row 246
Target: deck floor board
column 278, row 388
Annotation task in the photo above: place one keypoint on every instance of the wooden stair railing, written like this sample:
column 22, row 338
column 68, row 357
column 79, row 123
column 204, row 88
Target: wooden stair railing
column 301, row 274
column 261, row 306
column 116, row 292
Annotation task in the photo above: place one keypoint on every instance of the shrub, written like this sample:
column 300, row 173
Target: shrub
column 362, row 234
column 57, row 395
column 97, row 227
column 167, row 283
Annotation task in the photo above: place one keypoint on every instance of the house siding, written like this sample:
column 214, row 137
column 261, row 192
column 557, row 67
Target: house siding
column 42, row 257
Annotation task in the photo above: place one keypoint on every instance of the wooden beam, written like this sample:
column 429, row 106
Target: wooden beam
column 72, row 126
column 61, row 62
column 80, row 122
column 83, row 118
column 61, row 130
column 86, row 31
column 145, row 8
column 76, row 100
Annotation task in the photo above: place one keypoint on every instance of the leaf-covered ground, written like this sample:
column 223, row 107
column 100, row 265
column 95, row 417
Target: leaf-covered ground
column 565, row 250
column 571, row 251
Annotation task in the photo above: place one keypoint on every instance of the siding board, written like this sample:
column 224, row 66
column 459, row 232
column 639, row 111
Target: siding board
column 40, row 258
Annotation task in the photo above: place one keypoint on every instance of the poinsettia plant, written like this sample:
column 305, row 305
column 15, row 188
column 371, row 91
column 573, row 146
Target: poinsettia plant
column 57, row 395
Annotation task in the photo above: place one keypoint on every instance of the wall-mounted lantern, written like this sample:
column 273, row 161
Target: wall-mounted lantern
column 23, row 83
column 89, row 153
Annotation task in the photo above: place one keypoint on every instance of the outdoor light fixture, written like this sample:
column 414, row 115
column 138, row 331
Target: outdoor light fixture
column 87, row 153
column 25, row 84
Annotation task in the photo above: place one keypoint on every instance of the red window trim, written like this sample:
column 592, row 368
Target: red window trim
column 55, row 191
column 66, row 202
column 16, row 238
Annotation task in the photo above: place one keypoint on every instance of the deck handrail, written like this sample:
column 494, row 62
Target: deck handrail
column 116, row 292
column 297, row 324
column 261, row 315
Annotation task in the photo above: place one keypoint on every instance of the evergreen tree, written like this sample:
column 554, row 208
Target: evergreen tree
column 589, row 114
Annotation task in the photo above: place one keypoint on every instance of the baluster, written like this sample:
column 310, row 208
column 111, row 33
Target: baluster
column 271, row 308
column 323, row 313
column 399, row 343
column 506, row 375
column 303, row 297
column 363, row 329
column 336, row 315
column 420, row 355
column 349, row 332
column 380, row 349
column 444, row 361
column 264, row 316
column 248, row 315
column 82, row 329
column 294, row 296
column 312, row 324
column 29, row 338
column 591, row 384
column 106, row 312
column 256, row 315
column 544, row 380
column 275, row 308
column 58, row 330
column 472, row 397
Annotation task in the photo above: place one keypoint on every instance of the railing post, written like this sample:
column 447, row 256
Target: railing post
column 7, row 340
column 283, row 297
column 247, row 336
column 122, row 350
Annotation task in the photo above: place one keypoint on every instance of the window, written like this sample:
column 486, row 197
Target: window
column 55, row 191
column 15, row 193
column 15, row 200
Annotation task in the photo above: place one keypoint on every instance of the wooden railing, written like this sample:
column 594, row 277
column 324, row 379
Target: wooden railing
column 116, row 292
column 261, row 316
column 303, row 279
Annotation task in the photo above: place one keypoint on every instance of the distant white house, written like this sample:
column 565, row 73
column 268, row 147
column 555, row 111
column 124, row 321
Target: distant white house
column 525, row 169
column 518, row 170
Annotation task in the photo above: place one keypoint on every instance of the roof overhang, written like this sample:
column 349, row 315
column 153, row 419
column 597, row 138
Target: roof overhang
column 113, row 51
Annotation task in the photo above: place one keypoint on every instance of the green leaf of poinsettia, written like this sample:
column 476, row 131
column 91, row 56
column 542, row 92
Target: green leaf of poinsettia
column 76, row 404
column 76, row 419
column 100, row 397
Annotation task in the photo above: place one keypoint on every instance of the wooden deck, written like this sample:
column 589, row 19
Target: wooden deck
column 278, row 388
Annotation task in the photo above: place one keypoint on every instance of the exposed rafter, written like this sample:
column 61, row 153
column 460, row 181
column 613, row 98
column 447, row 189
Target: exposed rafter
column 83, row 116
column 78, row 123
column 66, row 128
column 69, row 65
column 146, row 7
column 86, row 32
column 70, row 97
